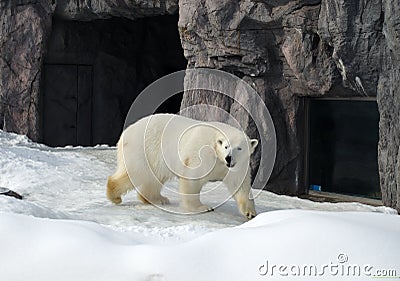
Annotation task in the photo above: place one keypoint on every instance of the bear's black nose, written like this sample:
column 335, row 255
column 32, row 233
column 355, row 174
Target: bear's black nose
column 228, row 160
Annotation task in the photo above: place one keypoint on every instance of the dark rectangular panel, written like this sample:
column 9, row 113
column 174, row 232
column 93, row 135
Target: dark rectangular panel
column 343, row 146
column 84, row 111
column 59, row 105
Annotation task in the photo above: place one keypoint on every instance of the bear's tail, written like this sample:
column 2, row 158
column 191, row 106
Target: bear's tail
column 118, row 186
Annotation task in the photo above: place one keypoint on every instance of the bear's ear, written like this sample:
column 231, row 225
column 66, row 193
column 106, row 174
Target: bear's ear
column 253, row 143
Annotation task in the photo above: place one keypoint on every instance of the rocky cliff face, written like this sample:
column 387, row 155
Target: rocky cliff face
column 285, row 49
column 102, row 9
column 24, row 28
column 389, row 106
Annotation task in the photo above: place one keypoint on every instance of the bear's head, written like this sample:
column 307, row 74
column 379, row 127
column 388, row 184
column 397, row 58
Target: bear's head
column 235, row 150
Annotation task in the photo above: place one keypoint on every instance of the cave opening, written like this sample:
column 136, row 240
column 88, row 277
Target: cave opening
column 342, row 146
column 93, row 71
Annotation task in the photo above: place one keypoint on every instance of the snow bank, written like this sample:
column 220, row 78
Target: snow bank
column 65, row 229
column 44, row 249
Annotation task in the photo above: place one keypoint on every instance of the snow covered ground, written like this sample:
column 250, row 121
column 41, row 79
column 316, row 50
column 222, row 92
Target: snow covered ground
column 65, row 229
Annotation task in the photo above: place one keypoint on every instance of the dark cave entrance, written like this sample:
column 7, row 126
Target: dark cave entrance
column 342, row 150
column 94, row 70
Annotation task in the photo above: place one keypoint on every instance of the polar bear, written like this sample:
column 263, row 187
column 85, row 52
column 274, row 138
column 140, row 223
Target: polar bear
column 160, row 147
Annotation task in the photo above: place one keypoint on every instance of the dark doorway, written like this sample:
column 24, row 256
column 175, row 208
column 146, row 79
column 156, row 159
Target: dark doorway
column 171, row 105
column 343, row 142
column 94, row 70
column 67, row 105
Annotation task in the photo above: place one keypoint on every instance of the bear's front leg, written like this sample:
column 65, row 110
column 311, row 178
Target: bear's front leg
column 240, row 188
column 190, row 196
column 246, row 206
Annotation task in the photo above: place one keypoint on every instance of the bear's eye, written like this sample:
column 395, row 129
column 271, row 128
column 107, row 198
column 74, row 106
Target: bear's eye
column 226, row 147
column 220, row 142
column 239, row 148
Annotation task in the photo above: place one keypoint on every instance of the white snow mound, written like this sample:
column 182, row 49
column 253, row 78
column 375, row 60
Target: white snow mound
column 65, row 229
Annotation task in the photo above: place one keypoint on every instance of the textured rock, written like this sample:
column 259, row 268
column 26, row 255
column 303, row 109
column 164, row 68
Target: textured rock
column 24, row 29
column 389, row 134
column 354, row 30
column 102, row 9
column 389, row 107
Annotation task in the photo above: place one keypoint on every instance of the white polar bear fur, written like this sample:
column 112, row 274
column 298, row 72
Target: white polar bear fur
column 160, row 147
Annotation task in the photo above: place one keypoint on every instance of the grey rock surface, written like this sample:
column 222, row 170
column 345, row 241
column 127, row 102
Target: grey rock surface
column 102, row 9
column 389, row 106
column 24, row 29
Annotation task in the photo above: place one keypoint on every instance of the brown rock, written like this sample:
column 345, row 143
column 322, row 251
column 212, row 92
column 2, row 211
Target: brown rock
column 24, row 27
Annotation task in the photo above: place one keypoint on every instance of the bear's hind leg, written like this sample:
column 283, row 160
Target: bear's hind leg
column 151, row 194
column 118, row 185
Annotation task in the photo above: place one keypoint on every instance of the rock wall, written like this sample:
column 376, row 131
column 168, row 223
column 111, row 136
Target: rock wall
column 24, row 29
column 103, row 9
column 389, row 106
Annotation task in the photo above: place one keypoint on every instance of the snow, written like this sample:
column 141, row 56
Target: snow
column 65, row 228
